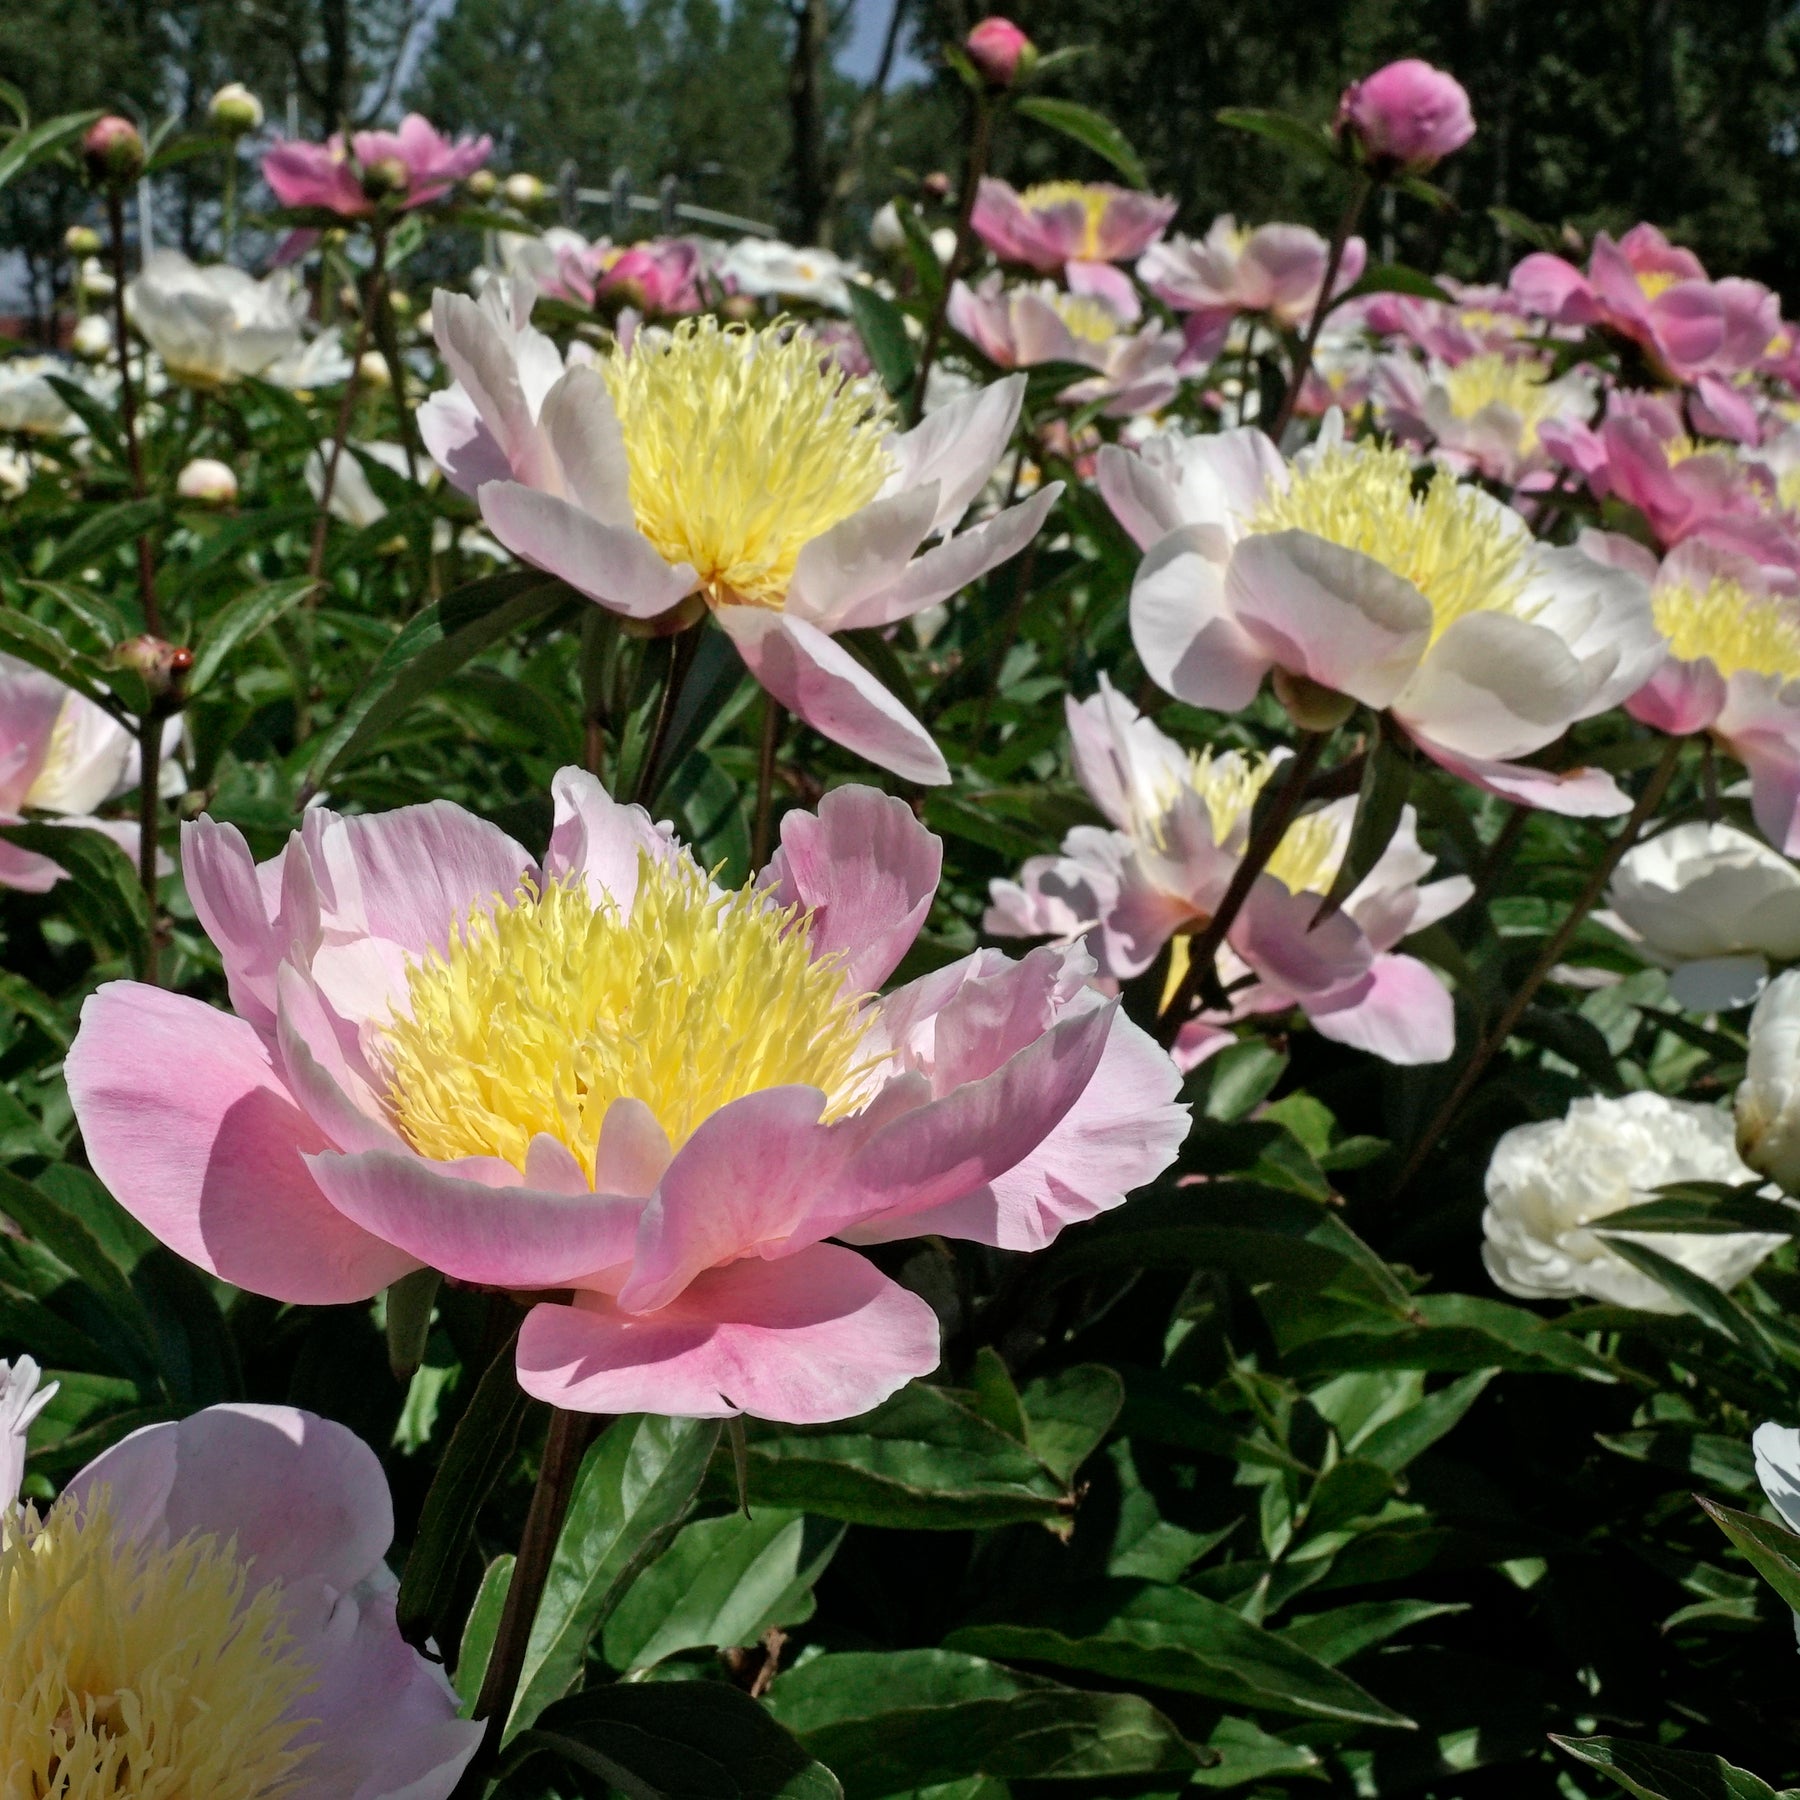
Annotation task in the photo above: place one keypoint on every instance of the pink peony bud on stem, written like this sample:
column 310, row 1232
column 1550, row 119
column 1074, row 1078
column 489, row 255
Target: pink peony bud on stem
column 1001, row 51
column 1406, row 118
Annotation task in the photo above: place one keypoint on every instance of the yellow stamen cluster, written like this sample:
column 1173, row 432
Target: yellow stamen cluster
column 1308, row 855
column 1086, row 318
column 1787, row 489
column 1519, row 383
column 742, row 447
column 1045, row 196
column 1736, row 629
column 139, row 1671
column 548, row 1008
column 1449, row 541
column 1655, row 282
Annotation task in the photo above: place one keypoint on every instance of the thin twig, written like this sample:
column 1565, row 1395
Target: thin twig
column 681, row 658
column 134, row 453
column 1359, row 198
column 149, row 733
column 980, row 137
column 774, row 717
column 1548, row 958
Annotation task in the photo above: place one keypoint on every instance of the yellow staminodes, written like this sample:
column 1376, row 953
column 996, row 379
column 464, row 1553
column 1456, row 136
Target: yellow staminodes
column 1308, row 855
column 1046, row 196
column 1737, row 629
column 1519, row 383
column 1655, row 282
column 1086, row 318
column 139, row 1671
column 548, row 1008
column 1451, row 542
column 743, row 445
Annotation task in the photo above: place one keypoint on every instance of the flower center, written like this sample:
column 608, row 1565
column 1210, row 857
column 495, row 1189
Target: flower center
column 1086, row 318
column 1046, row 196
column 1308, row 855
column 1450, row 542
column 548, row 1008
column 1519, row 383
column 1734, row 628
column 743, row 446
column 139, row 1671
column 1654, row 282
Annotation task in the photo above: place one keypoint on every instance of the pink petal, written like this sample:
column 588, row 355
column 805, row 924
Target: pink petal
column 634, row 1150
column 459, row 442
column 867, row 871
column 337, row 1097
column 1681, row 697
column 1185, row 631
column 185, row 1121
column 1111, row 287
column 486, row 367
column 610, row 564
column 579, row 419
column 1575, row 793
column 1494, row 687
column 233, row 907
column 598, row 837
column 860, row 555
column 957, row 447
column 1275, row 934
column 466, row 1218
column 1399, row 1011
column 817, row 1336
column 829, row 689
column 1140, row 497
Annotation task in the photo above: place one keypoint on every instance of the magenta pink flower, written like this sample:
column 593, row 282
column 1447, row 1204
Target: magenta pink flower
column 253, row 1536
column 1021, row 327
column 659, row 278
column 409, row 167
column 672, row 1125
column 1406, row 117
column 1060, row 226
column 1273, row 270
column 997, row 47
column 1179, row 826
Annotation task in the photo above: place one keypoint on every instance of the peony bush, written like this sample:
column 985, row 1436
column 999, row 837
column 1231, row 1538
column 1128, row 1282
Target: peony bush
column 1022, row 1010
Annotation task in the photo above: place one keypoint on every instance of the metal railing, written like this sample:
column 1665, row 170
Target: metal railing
column 670, row 209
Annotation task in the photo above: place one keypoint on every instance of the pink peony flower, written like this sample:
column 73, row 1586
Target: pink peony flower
column 601, row 1074
column 252, row 1538
column 659, row 278
column 1406, row 117
column 1439, row 609
column 60, row 753
column 1179, row 826
column 1273, row 270
column 1018, row 328
column 1732, row 667
column 740, row 467
column 409, row 167
column 1070, row 228
column 997, row 48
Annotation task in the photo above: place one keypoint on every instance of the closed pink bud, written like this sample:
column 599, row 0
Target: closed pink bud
column 1001, row 51
column 113, row 151
column 1407, row 117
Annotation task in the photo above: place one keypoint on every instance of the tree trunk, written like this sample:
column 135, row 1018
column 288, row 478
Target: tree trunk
column 811, row 195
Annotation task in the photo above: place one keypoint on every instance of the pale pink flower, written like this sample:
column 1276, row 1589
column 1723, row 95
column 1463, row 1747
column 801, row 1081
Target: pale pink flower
column 63, row 754
column 409, row 167
column 1406, row 117
column 253, row 1537
column 1439, row 609
column 1275, row 271
column 1070, row 228
column 1020, row 327
column 738, row 467
column 660, row 1096
column 1179, row 823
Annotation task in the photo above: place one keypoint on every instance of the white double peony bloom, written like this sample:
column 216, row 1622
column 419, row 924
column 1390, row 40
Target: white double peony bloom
column 1768, row 1101
column 1550, row 1184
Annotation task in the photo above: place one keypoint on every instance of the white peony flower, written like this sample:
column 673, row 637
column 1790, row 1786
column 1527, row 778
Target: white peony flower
column 1549, row 1183
column 769, row 269
column 1768, row 1099
column 21, row 1400
column 1715, row 905
column 1777, row 1450
column 28, row 402
column 214, row 325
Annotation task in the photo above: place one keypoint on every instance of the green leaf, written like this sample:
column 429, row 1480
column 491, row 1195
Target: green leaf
column 45, row 648
column 688, row 1740
column 1094, row 131
column 1242, row 1077
column 480, row 1630
column 1336, row 1636
column 1067, row 1415
column 41, row 140
column 634, row 1488
column 882, row 327
column 911, row 1719
column 1394, row 278
column 722, row 1582
column 1171, row 1637
column 993, row 1394
column 430, row 647
column 922, row 1461
column 102, row 888
column 1654, row 1772
column 1451, row 1332
column 103, row 530
column 1310, row 143
column 1716, row 1208
column 1396, row 1443
column 240, row 621
column 409, row 1306
column 1773, row 1550
column 479, row 1452
column 1696, row 1293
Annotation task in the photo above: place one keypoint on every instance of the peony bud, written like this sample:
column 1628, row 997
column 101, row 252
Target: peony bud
column 162, row 665
column 92, row 338
column 1768, row 1100
column 523, row 190
column 234, row 110
column 1311, row 706
column 113, row 152
column 936, row 185
column 372, row 370
column 886, row 233
column 943, row 244
column 1000, row 51
column 481, row 185
column 94, row 279
column 81, row 240
column 207, row 482
column 1406, row 118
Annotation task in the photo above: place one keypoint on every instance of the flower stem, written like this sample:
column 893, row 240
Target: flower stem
column 564, row 1446
column 682, row 648
column 1201, row 982
column 1353, row 207
column 1551, row 954
column 149, row 733
column 774, row 718
column 128, row 418
column 980, row 139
